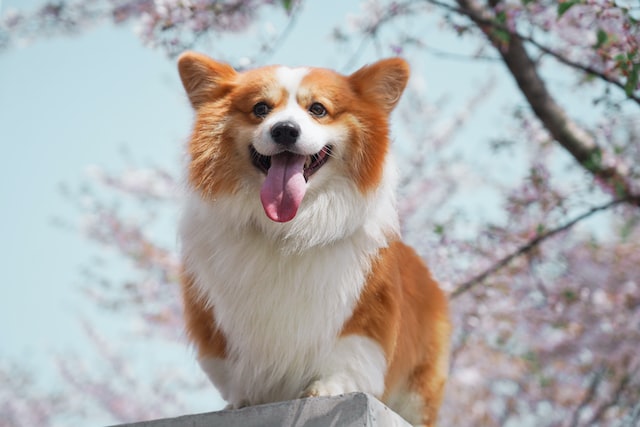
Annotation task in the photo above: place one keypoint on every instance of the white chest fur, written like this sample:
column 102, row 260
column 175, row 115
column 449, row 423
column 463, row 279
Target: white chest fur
column 280, row 297
column 281, row 312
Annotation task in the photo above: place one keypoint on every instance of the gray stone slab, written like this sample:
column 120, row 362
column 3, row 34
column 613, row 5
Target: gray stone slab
column 349, row 410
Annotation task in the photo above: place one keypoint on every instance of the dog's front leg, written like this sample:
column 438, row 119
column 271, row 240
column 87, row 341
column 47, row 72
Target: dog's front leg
column 357, row 363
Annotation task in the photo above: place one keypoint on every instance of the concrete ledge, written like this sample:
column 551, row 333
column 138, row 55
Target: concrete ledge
column 349, row 410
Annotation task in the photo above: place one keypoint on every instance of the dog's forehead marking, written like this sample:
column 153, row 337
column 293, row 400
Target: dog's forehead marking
column 291, row 78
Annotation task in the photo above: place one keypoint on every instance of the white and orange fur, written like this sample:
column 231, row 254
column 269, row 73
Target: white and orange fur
column 295, row 280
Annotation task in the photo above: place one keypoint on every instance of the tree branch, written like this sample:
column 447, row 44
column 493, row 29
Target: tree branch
column 580, row 144
column 402, row 8
column 632, row 419
column 588, row 397
column 269, row 50
column 485, row 19
column 615, row 399
column 582, row 67
column 529, row 246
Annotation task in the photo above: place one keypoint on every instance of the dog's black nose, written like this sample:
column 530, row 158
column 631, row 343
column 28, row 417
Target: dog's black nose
column 285, row 133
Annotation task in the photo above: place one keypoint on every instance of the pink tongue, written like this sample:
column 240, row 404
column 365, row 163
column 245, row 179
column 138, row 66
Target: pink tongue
column 284, row 187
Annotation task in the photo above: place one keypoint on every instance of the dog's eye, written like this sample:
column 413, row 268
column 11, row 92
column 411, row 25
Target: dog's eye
column 318, row 109
column 261, row 109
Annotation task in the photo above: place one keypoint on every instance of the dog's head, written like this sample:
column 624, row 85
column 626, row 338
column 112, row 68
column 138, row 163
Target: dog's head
column 288, row 135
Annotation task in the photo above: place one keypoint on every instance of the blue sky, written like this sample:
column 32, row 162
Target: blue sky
column 67, row 103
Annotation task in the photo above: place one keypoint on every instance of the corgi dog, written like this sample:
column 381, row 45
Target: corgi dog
column 296, row 282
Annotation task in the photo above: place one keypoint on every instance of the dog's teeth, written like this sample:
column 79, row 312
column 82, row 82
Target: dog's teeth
column 307, row 163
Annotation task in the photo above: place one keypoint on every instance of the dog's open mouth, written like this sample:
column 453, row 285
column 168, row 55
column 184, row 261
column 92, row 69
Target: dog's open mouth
column 311, row 165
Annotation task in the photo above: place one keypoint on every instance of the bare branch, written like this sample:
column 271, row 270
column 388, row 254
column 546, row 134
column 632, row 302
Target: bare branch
column 529, row 246
column 370, row 33
column 269, row 50
column 633, row 418
column 615, row 399
column 448, row 55
column 588, row 397
column 582, row 67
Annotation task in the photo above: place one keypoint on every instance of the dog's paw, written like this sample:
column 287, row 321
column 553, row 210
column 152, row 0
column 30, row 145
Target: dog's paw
column 331, row 386
column 238, row 405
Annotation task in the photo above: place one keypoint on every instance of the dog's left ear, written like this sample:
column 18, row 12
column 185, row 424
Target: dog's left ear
column 382, row 82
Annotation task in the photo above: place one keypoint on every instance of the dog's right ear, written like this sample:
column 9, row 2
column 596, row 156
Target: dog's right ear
column 203, row 78
column 382, row 82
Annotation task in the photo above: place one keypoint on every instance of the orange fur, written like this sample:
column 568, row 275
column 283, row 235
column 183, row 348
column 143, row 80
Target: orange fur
column 404, row 310
column 200, row 322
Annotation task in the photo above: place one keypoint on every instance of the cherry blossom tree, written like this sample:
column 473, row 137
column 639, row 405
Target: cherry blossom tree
column 545, row 290
column 173, row 25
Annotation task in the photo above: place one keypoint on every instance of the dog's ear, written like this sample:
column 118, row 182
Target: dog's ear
column 203, row 78
column 382, row 82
